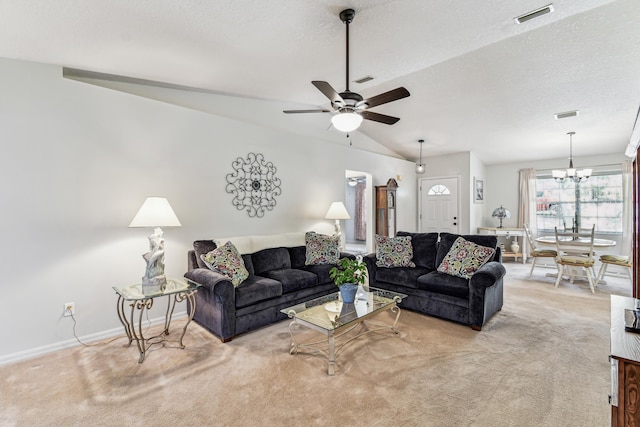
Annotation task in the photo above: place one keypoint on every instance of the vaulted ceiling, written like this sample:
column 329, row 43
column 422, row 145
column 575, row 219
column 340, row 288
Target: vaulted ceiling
column 478, row 81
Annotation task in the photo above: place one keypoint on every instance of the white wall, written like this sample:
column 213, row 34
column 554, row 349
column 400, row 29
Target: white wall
column 78, row 161
column 477, row 171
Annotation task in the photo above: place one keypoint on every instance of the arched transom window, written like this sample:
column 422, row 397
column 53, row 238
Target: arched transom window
column 438, row 190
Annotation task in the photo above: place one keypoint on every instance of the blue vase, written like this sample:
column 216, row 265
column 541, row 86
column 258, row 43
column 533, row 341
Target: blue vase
column 348, row 292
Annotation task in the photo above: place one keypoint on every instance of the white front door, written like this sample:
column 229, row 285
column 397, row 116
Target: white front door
column 439, row 205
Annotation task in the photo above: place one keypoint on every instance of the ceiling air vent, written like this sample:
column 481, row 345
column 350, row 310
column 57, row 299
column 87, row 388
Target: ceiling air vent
column 566, row 114
column 364, row 79
column 534, row 14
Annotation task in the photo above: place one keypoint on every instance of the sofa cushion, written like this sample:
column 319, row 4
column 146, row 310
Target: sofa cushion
column 321, row 249
column 465, row 258
column 321, row 271
column 255, row 289
column 292, row 279
column 270, row 259
column 425, row 248
column 227, row 261
column 298, row 256
column 401, row 276
column 203, row 247
column 447, row 240
column 394, row 251
column 442, row 283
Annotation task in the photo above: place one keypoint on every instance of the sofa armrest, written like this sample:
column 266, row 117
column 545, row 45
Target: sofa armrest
column 370, row 261
column 488, row 274
column 216, row 283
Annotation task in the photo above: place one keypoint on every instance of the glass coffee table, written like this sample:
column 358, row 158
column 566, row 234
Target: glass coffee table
column 335, row 319
column 132, row 298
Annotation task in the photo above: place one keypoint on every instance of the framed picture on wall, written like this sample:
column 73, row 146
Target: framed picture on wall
column 478, row 190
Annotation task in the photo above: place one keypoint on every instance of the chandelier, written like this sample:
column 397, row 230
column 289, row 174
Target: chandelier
column 571, row 172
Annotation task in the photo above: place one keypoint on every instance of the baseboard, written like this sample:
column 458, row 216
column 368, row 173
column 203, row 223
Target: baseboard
column 73, row 342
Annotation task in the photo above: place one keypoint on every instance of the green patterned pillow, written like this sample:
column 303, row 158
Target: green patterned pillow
column 394, row 251
column 321, row 249
column 465, row 258
column 226, row 260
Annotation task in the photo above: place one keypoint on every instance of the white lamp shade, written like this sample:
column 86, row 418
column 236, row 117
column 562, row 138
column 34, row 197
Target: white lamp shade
column 346, row 122
column 155, row 212
column 337, row 211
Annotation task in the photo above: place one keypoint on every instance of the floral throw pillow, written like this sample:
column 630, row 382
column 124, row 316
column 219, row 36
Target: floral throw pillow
column 226, row 260
column 465, row 258
column 321, row 249
column 394, row 251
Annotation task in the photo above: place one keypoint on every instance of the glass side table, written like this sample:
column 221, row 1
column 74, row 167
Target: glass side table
column 176, row 290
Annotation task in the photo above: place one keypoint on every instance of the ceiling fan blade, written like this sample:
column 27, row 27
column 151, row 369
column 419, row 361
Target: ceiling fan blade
column 328, row 91
column 305, row 111
column 383, row 98
column 377, row 117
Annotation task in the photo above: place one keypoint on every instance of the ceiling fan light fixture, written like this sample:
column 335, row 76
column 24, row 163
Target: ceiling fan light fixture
column 347, row 121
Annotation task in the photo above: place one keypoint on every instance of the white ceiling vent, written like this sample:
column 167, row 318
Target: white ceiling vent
column 364, row 79
column 566, row 114
column 534, row 14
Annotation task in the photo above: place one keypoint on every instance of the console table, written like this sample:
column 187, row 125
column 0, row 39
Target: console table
column 509, row 233
column 176, row 290
column 625, row 365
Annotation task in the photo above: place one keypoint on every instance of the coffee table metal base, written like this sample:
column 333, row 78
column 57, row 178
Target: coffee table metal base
column 328, row 347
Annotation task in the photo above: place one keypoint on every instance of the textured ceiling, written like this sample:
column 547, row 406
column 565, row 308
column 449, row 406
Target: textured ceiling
column 478, row 81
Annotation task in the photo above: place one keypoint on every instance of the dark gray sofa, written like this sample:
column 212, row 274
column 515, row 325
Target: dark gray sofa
column 468, row 301
column 278, row 278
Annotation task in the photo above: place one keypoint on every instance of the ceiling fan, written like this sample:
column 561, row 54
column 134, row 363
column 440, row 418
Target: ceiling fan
column 350, row 108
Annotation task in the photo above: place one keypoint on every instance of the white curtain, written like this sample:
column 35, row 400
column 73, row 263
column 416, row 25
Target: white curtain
column 627, row 208
column 527, row 208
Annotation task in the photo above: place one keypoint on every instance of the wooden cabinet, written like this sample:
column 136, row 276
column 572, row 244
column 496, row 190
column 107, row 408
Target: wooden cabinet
column 625, row 366
column 386, row 208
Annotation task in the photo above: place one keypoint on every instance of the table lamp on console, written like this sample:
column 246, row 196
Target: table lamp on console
column 155, row 212
column 501, row 213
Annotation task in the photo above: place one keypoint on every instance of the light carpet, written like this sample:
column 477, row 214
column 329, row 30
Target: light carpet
column 541, row 361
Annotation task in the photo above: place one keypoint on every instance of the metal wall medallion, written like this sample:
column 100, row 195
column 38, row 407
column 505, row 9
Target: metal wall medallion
column 254, row 185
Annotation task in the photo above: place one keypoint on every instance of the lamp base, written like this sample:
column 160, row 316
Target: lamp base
column 154, row 280
column 155, row 285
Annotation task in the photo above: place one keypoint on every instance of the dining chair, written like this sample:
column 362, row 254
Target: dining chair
column 575, row 251
column 619, row 260
column 536, row 252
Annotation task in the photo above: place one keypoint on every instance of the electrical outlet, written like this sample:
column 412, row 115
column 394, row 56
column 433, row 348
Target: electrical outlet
column 69, row 309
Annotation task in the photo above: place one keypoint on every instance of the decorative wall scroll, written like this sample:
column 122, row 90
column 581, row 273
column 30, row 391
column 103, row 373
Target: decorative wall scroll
column 253, row 184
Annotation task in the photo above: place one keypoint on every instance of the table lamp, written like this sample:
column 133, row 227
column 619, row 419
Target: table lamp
column 155, row 212
column 337, row 211
column 501, row 213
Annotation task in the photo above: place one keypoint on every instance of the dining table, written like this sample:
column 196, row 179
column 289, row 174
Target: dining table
column 550, row 241
column 597, row 243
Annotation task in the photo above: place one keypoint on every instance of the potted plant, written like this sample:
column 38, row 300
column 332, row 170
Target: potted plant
column 347, row 276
